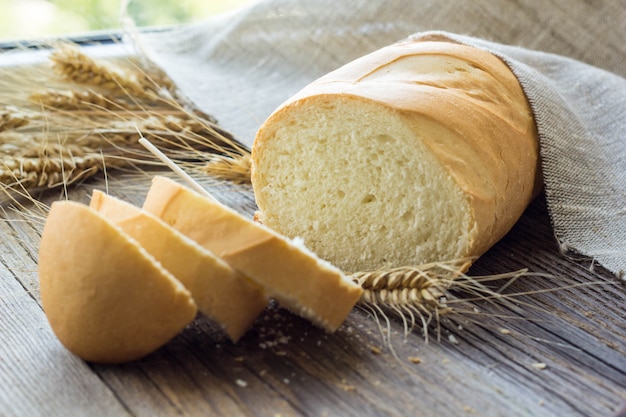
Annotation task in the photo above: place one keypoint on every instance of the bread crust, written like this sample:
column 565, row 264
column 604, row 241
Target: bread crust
column 490, row 146
column 106, row 299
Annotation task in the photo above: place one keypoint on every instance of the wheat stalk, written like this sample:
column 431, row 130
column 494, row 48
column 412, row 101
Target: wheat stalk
column 75, row 66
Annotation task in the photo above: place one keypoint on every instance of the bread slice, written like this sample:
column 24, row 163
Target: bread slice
column 290, row 273
column 221, row 292
column 106, row 298
column 419, row 152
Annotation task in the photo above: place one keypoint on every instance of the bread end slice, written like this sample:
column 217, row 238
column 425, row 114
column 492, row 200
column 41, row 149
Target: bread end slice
column 106, row 298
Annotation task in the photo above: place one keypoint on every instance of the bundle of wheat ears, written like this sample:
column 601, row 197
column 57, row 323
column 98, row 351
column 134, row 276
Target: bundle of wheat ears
column 74, row 117
column 64, row 122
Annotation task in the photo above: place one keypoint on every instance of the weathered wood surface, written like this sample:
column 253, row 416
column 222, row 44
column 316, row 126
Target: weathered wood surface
column 485, row 363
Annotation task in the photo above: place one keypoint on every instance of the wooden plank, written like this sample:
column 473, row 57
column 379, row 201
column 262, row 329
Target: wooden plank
column 285, row 366
column 38, row 377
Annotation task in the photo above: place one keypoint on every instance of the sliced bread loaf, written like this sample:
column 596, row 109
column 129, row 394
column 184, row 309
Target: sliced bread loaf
column 287, row 271
column 220, row 291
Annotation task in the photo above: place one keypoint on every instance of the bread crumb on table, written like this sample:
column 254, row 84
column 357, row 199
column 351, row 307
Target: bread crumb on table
column 346, row 387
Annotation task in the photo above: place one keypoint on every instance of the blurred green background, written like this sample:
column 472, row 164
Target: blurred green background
column 26, row 19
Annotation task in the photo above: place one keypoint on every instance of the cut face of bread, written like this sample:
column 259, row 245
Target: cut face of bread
column 350, row 176
column 221, row 292
column 106, row 298
column 288, row 272
column 419, row 152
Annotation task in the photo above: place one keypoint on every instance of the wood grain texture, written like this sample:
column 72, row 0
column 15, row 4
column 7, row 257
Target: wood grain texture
column 484, row 363
column 38, row 377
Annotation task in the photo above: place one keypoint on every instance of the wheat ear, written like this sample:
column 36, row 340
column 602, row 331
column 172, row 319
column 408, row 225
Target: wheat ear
column 80, row 100
column 75, row 66
column 233, row 168
column 417, row 294
column 55, row 165
column 12, row 118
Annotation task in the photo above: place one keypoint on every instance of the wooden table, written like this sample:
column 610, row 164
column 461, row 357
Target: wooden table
column 558, row 348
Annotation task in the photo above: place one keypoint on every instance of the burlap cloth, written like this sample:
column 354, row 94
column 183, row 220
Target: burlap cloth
column 570, row 59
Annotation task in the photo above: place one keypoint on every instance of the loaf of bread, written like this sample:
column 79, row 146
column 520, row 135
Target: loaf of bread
column 288, row 272
column 105, row 297
column 419, row 152
column 220, row 292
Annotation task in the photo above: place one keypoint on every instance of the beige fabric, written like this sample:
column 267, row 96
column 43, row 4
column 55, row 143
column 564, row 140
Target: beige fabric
column 239, row 67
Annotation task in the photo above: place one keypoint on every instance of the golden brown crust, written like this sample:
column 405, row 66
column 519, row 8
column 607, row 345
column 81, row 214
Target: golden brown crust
column 296, row 278
column 221, row 292
column 106, row 299
column 488, row 142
